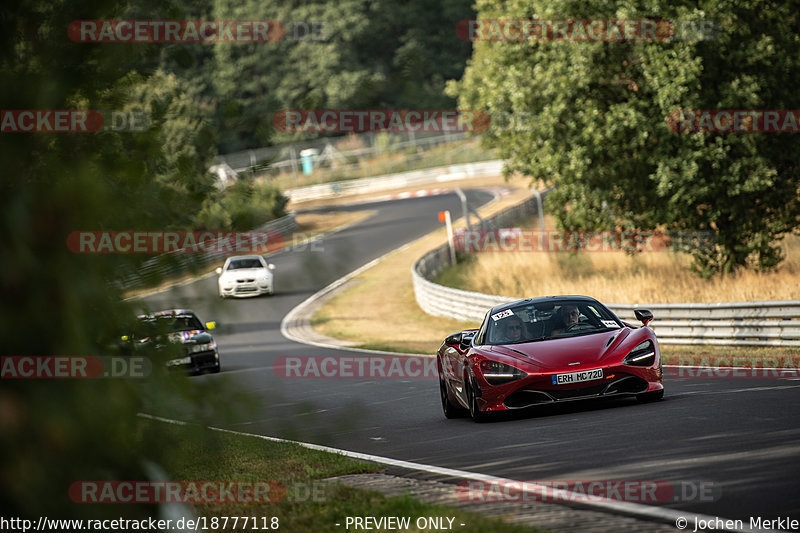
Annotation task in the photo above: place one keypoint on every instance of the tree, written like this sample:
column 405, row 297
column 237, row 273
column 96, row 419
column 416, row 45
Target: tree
column 55, row 302
column 369, row 55
column 591, row 118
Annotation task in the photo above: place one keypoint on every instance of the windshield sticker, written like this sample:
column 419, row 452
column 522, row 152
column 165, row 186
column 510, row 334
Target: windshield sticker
column 610, row 323
column 502, row 314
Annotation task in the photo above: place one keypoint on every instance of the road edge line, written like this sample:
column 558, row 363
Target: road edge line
column 636, row 510
column 296, row 314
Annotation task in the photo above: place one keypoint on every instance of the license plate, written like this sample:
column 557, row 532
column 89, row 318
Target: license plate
column 577, row 377
column 178, row 362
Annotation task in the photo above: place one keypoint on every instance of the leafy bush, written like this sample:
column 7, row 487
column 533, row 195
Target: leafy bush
column 243, row 206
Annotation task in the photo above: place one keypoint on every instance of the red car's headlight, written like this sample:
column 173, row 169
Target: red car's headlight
column 496, row 373
column 644, row 354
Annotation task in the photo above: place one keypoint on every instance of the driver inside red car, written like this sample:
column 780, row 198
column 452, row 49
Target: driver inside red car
column 512, row 329
column 566, row 318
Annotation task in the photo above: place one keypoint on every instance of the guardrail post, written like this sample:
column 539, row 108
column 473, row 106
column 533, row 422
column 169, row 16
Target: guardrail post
column 464, row 207
column 444, row 216
column 293, row 154
column 540, row 210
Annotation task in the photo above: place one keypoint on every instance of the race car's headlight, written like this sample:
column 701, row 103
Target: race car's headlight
column 496, row 373
column 202, row 347
column 643, row 355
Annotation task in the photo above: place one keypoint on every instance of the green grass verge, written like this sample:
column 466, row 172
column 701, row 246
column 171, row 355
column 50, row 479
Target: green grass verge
column 310, row 505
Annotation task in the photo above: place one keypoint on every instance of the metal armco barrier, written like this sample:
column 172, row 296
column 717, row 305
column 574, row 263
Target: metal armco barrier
column 392, row 181
column 444, row 301
column 739, row 323
column 736, row 323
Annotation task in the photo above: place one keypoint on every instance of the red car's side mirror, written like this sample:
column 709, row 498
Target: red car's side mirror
column 643, row 315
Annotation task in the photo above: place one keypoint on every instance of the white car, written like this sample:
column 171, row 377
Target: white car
column 245, row 275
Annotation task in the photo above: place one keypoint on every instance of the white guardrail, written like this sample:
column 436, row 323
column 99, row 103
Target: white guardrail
column 393, row 181
column 739, row 323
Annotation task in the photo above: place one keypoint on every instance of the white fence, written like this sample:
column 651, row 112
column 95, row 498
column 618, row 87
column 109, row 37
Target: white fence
column 740, row 323
column 284, row 158
column 403, row 179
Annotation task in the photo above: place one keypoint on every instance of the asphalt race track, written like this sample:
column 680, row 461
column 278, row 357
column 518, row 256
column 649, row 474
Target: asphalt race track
column 731, row 446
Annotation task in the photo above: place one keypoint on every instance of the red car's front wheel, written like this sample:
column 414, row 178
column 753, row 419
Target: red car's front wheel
column 450, row 410
column 474, row 411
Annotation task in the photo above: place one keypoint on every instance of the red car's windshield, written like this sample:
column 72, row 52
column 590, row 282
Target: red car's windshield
column 567, row 319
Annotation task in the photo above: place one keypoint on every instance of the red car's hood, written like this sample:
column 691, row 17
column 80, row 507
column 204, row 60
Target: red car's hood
column 557, row 354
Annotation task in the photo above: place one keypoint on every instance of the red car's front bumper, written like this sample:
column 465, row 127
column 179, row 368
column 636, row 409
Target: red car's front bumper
column 538, row 389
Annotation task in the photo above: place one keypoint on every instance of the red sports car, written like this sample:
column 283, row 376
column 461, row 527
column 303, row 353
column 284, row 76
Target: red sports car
column 544, row 351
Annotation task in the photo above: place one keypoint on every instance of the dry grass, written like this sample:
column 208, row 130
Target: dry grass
column 361, row 313
column 656, row 277
column 316, row 223
column 384, row 295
